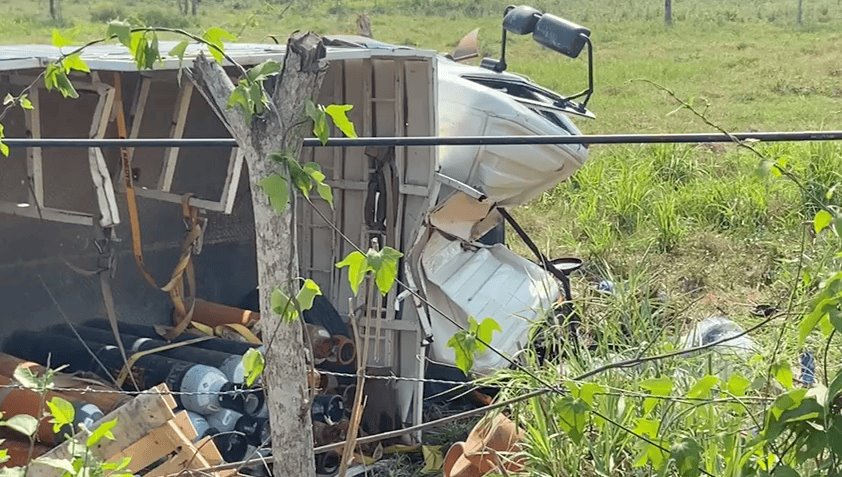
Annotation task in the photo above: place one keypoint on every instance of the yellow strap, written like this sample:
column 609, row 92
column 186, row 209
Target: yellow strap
column 240, row 330
column 202, row 328
column 124, row 373
column 175, row 287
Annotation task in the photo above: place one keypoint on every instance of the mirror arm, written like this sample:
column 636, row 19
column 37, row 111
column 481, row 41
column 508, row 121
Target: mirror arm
column 589, row 91
column 590, row 71
column 501, row 65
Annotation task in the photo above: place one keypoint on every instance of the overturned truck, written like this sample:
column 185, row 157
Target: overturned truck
column 68, row 231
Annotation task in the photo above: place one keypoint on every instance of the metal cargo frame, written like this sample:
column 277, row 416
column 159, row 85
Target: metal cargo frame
column 393, row 93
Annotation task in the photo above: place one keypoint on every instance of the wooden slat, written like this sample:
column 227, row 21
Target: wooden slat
column 158, row 443
column 179, row 121
column 135, row 420
column 34, row 162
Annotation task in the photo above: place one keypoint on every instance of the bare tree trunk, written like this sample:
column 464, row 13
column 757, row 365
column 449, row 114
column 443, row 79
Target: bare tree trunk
column 285, row 375
column 800, row 18
column 53, row 9
column 668, row 12
column 194, row 7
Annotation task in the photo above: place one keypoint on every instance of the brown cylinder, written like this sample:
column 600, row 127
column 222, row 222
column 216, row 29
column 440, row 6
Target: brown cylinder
column 18, row 401
column 344, row 350
column 106, row 400
column 215, row 314
column 336, row 348
column 19, row 452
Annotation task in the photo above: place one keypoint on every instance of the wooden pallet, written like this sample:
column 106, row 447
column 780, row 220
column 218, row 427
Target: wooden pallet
column 151, row 434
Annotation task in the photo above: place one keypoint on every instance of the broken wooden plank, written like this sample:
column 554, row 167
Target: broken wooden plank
column 135, row 420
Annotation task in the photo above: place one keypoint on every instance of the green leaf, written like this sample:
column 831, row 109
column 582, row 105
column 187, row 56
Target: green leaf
column 702, row 387
column 4, row 456
column 300, row 178
column 9, row 99
column 386, row 272
column 787, row 401
column 63, row 413
column 573, row 415
column 262, row 71
column 283, row 305
column 153, row 53
column 307, row 294
column 737, row 385
column 357, row 264
column 4, row 148
column 178, row 51
column 59, row 40
column 586, row 392
column 325, row 192
column 464, row 347
column 75, row 63
column 275, row 186
column 121, row 30
column 658, row 386
column 339, row 114
column 117, row 466
column 23, row 375
column 60, row 464
column 102, row 432
column 647, row 427
column 23, row 423
column 317, row 114
column 25, row 103
column 216, row 37
column 822, row 219
column 56, row 78
column 485, row 332
column 808, row 324
column 687, row 454
column 783, row 374
column 254, row 363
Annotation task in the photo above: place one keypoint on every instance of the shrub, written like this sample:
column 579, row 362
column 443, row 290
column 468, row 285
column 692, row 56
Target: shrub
column 105, row 12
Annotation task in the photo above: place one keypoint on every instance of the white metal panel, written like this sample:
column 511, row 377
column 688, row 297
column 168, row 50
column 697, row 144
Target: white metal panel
column 491, row 282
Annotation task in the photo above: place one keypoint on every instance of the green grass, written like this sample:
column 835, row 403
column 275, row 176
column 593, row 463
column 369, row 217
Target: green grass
column 695, row 223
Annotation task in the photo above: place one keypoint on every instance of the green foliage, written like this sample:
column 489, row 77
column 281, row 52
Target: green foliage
column 215, row 38
column 382, row 263
column 120, row 30
column 466, row 344
column 275, row 187
column 338, row 113
column 4, row 148
column 822, row 220
column 103, row 431
column 290, row 307
column 22, row 423
column 687, row 454
column 254, row 363
column 63, row 413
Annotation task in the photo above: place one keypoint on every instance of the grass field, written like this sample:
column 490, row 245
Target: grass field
column 696, row 222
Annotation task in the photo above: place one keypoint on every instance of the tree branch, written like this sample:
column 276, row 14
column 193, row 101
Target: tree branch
column 216, row 87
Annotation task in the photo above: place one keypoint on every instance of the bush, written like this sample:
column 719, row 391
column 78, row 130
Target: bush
column 164, row 18
column 105, row 12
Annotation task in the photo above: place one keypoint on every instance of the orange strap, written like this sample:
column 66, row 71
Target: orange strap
column 182, row 316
